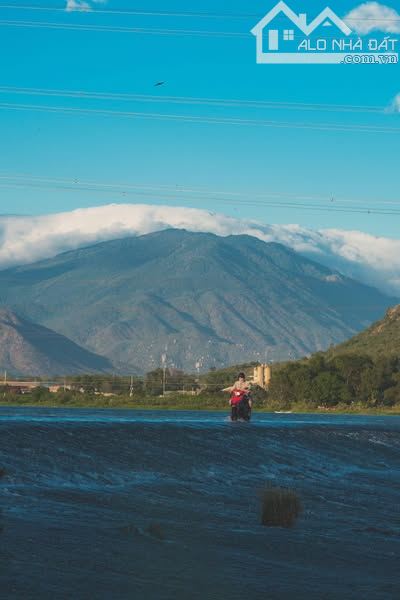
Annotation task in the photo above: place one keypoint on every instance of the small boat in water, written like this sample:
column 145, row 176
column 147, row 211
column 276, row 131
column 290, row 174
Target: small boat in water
column 283, row 412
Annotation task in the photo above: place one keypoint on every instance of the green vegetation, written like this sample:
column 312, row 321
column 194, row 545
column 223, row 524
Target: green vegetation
column 348, row 381
column 169, row 390
column 381, row 339
column 70, row 399
column 279, row 507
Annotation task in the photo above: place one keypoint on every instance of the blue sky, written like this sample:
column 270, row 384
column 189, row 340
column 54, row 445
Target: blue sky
column 361, row 167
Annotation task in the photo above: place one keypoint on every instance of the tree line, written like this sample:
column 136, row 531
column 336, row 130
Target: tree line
column 344, row 379
column 322, row 380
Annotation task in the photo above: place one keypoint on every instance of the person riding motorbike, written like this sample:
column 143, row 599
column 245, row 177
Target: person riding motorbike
column 240, row 400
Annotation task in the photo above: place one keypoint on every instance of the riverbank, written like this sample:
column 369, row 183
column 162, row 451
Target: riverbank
column 184, row 403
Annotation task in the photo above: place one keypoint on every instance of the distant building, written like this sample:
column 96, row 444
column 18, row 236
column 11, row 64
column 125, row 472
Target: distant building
column 57, row 388
column 25, row 387
column 262, row 376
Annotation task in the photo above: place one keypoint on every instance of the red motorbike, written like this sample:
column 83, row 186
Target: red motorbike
column 240, row 405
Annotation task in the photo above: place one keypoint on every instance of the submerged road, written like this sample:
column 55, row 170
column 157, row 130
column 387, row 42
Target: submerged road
column 153, row 505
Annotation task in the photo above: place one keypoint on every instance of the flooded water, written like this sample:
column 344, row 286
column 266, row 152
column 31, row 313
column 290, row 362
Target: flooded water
column 165, row 505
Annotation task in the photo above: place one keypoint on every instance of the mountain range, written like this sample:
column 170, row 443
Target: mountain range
column 30, row 349
column 200, row 299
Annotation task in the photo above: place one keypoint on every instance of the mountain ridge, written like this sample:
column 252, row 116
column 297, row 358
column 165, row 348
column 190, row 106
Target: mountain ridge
column 27, row 348
column 382, row 338
column 199, row 297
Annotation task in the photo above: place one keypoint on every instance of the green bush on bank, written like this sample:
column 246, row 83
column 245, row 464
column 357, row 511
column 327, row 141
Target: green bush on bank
column 346, row 380
column 90, row 400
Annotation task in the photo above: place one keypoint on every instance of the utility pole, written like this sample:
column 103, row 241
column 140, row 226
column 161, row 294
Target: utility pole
column 164, row 370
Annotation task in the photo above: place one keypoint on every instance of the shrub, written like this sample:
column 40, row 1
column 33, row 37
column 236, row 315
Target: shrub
column 156, row 530
column 280, row 507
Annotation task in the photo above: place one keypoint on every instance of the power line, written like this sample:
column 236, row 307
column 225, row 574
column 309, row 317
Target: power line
column 167, row 13
column 121, row 29
column 201, row 119
column 230, row 202
column 144, row 13
column 233, row 103
column 147, row 13
column 160, row 187
column 138, row 30
column 267, row 200
column 179, row 189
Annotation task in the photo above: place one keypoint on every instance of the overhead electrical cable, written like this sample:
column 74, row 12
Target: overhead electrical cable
column 121, row 29
column 138, row 30
column 166, row 13
column 223, row 102
column 201, row 119
column 179, row 189
column 266, row 201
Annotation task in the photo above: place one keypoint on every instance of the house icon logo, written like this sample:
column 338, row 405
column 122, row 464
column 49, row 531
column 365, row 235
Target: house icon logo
column 282, row 36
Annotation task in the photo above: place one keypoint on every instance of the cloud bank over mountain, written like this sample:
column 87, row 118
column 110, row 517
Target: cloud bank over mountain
column 25, row 239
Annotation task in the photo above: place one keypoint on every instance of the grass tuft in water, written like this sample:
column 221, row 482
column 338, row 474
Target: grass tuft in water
column 156, row 530
column 280, row 507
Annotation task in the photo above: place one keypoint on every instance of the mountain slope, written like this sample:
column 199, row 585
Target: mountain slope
column 381, row 339
column 30, row 349
column 208, row 299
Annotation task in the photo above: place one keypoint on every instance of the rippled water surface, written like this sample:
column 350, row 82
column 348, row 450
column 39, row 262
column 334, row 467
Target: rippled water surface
column 157, row 505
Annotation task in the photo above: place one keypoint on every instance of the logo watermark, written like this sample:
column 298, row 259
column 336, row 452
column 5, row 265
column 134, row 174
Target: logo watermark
column 283, row 36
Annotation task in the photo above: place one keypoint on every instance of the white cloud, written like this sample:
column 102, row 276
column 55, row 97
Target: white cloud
column 82, row 5
column 372, row 16
column 77, row 5
column 373, row 260
column 394, row 106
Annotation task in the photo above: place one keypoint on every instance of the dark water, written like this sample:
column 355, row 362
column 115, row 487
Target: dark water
column 82, row 488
